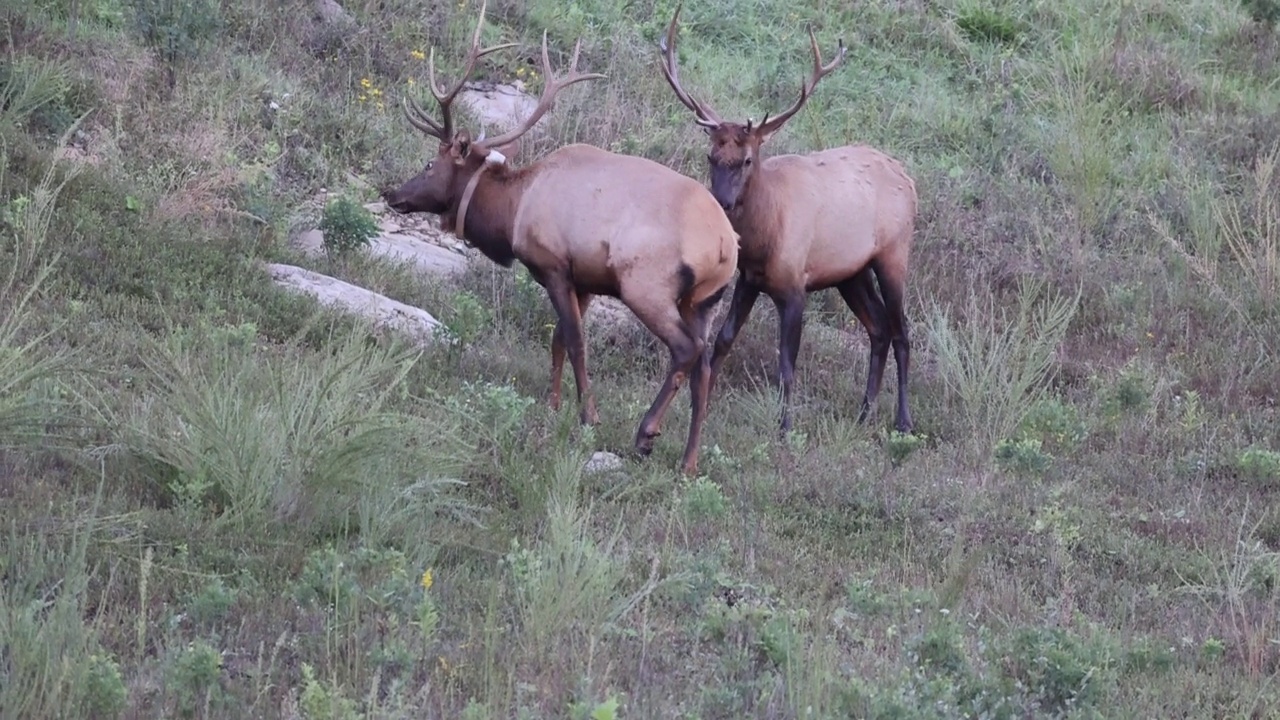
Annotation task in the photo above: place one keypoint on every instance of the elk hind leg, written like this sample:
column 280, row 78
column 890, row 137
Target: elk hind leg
column 558, row 351
column 669, row 327
column 892, row 276
column 860, row 295
column 699, row 383
column 568, row 306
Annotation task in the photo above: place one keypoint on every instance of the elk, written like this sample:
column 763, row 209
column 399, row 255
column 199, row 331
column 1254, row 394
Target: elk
column 832, row 218
column 585, row 222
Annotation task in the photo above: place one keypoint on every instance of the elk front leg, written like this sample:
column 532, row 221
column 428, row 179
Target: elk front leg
column 790, row 323
column 740, row 305
column 568, row 336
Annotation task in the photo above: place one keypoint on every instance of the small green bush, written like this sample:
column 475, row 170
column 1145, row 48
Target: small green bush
column 347, row 227
column 178, row 30
column 1264, row 12
column 986, row 24
column 1260, row 466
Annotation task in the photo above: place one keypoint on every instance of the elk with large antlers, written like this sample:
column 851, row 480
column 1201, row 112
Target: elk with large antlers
column 586, row 222
column 807, row 223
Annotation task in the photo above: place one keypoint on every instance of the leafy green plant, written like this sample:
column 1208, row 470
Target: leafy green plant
column 468, row 318
column 178, row 30
column 324, row 701
column 703, row 499
column 1023, row 455
column 104, row 692
column 1263, row 12
column 347, row 227
column 193, row 676
column 1260, row 466
column 902, row 445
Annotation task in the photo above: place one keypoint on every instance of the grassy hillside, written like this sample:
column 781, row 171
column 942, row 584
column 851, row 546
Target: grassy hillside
column 218, row 501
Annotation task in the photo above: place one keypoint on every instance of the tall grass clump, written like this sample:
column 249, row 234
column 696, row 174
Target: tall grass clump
column 28, row 369
column 259, row 434
column 51, row 660
column 1084, row 138
column 28, row 85
column 995, row 364
column 1236, row 251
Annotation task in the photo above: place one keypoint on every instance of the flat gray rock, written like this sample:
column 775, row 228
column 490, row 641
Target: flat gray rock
column 383, row 311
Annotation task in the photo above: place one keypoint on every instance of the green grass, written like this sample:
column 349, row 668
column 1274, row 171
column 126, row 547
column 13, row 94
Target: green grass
column 218, row 500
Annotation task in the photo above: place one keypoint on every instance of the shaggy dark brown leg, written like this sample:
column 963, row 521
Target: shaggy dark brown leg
column 569, row 331
column 893, row 290
column 740, row 305
column 790, row 325
column 860, row 295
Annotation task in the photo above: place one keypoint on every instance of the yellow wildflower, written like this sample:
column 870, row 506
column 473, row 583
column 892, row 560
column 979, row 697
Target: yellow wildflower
column 375, row 92
column 520, row 72
column 427, row 579
column 411, row 81
column 381, row 106
column 362, row 98
column 418, row 55
column 366, row 82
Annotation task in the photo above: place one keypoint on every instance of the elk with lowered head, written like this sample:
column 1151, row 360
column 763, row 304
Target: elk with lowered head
column 841, row 217
column 585, row 222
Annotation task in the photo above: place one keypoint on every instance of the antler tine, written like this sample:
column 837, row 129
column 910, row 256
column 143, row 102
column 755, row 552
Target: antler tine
column 418, row 118
column 706, row 117
column 551, row 87
column 445, row 99
column 806, row 88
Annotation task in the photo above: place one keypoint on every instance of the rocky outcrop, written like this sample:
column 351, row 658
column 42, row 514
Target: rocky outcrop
column 384, row 312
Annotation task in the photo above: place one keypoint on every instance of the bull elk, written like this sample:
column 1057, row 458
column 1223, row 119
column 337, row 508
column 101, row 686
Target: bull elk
column 810, row 222
column 585, row 222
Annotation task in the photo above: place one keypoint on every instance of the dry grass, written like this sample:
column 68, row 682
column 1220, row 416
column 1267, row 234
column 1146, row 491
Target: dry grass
column 1076, row 547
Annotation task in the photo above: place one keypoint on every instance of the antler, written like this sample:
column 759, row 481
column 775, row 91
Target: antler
column 706, row 117
column 444, row 129
column 551, row 87
column 820, row 71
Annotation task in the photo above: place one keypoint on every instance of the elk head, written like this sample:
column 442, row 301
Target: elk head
column 440, row 186
column 735, row 147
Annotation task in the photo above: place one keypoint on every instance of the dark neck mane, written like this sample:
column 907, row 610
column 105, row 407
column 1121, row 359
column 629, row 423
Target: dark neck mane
column 491, row 215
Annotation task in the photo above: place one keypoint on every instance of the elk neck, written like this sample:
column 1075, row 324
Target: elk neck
column 758, row 218
column 486, row 212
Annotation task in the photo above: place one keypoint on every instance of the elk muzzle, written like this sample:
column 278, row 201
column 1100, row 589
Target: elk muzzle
column 726, row 186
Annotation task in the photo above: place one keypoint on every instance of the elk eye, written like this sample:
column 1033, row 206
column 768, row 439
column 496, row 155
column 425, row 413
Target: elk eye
column 430, row 164
column 747, row 162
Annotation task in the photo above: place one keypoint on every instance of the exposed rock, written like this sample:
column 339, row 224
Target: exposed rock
column 427, row 256
column 500, row 104
column 601, row 462
column 330, row 12
column 382, row 310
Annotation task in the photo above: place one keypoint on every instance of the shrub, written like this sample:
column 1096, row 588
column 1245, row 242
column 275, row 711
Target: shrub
column 348, row 227
column 178, row 30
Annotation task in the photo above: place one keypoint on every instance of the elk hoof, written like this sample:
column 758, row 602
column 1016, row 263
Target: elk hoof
column 644, row 443
column 903, row 426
